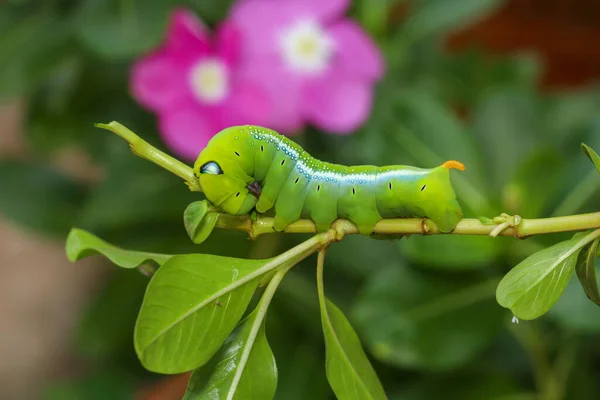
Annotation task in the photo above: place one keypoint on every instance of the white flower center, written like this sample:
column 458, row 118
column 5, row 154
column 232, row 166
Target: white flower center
column 210, row 81
column 306, row 47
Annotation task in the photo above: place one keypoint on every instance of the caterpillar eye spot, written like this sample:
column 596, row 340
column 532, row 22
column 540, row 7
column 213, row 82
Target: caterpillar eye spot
column 211, row 168
column 318, row 188
column 423, row 187
column 353, row 191
column 262, row 148
column 390, row 185
column 237, row 195
column 237, row 154
column 296, row 181
column 282, row 161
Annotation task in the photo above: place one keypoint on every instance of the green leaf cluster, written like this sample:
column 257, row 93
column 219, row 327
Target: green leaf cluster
column 192, row 319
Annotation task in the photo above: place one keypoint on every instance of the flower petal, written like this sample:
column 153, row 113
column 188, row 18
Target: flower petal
column 321, row 10
column 260, row 23
column 337, row 104
column 356, row 53
column 187, row 129
column 156, row 81
column 324, row 10
column 187, row 37
column 227, row 44
column 283, row 91
column 248, row 105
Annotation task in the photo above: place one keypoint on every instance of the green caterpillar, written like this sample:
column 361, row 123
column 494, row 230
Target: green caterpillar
column 247, row 167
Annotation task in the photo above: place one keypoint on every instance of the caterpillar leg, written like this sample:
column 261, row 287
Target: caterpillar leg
column 322, row 226
column 274, row 182
column 365, row 219
column 266, row 201
column 280, row 223
column 289, row 204
column 365, row 228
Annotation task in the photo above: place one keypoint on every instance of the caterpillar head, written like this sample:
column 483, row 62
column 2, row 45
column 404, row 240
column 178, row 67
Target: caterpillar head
column 438, row 198
column 223, row 179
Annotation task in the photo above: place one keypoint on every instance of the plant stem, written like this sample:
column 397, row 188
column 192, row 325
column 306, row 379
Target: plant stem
column 320, row 285
column 145, row 150
column 394, row 226
column 261, row 312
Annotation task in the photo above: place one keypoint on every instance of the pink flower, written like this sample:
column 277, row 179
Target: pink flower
column 193, row 85
column 316, row 65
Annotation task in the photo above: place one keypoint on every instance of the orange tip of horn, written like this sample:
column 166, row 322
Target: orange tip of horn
column 454, row 164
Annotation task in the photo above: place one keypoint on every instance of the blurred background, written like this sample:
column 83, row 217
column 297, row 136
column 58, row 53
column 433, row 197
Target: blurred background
column 510, row 88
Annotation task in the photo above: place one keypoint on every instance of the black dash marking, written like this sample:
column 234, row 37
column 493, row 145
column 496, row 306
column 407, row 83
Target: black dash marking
column 283, row 161
column 296, row 181
column 423, row 187
column 262, row 148
column 390, row 185
column 237, row 154
column 353, row 191
column 238, row 193
column 318, row 187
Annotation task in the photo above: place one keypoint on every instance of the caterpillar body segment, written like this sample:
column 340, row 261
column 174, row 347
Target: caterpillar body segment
column 246, row 167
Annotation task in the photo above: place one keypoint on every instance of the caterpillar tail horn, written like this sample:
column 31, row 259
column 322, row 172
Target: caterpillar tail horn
column 453, row 164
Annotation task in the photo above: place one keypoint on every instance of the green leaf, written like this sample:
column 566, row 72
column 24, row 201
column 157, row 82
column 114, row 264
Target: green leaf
column 586, row 271
column 40, row 197
column 438, row 17
column 418, row 319
column 199, row 222
column 192, row 304
column 592, row 155
column 120, row 29
column 258, row 380
column 531, row 288
column 82, row 244
column 349, row 371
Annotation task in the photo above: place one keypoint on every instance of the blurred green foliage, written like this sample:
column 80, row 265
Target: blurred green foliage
column 423, row 306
